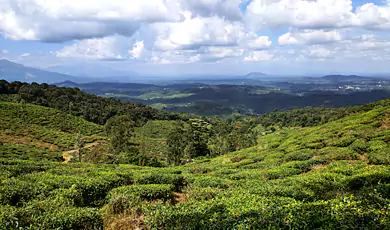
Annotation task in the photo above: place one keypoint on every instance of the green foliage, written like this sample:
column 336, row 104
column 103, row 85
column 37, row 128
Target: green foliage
column 177, row 142
column 49, row 214
column 120, row 130
column 381, row 156
column 78, row 103
column 332, row 176
column 44, row 124
column 159, row 178
column 28, row 152
column 144, row 191
column 307, row 117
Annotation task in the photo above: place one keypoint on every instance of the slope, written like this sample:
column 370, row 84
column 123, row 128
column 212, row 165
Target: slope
column 332, row 176
column 31, row 131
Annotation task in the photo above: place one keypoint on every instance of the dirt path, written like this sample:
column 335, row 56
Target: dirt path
column 68, row 155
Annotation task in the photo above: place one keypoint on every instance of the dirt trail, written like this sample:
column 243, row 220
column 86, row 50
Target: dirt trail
column 68, row 155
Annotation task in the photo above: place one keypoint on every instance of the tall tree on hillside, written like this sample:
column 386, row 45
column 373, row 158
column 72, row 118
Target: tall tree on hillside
column 198, row 137
column 177, row 142
column 79, row 145
column 120, row 130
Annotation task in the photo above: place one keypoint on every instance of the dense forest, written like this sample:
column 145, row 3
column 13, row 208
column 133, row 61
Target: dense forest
column 71, row 160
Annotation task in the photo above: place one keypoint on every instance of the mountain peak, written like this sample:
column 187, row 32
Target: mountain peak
column 12, row 71
column 256, row 74
column 7, row 63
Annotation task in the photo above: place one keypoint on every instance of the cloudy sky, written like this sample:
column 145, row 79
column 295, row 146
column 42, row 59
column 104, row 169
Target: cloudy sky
column 200, row 36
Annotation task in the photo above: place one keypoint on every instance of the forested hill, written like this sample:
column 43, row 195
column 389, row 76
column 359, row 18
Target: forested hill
column 307, row 117
column 78, row 103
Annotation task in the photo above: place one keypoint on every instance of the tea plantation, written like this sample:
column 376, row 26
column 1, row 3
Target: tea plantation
column 332, row 176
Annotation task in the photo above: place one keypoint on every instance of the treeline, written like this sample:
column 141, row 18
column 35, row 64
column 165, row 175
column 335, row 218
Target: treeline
column 308, row 117
column 185, row 140
column 78, row 103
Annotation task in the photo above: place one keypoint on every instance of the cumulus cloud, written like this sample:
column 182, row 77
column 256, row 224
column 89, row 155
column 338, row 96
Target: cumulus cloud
column 258, row 56
column 309, row 37
column 257, row 42
column 195, row 32
column 300, row 13
column 108, row 48
column 58, row 20
column 318, row 14
column 228, row 9
column 137, row 50
column 188, row 31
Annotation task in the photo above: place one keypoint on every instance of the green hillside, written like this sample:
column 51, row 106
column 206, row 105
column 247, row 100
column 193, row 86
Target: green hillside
column 33, row 132
column 332, row 176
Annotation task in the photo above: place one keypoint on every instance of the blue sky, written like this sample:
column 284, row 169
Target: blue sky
column 198, row 37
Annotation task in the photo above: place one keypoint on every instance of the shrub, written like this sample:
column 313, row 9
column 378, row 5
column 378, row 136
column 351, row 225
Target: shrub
column 359, row 146
column 153, row 178
column 47, row 215
column 210, row 181
column 145, row 192
column 380, row 157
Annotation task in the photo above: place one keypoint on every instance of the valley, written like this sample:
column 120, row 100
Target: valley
column 243, row 97
column 125, row 165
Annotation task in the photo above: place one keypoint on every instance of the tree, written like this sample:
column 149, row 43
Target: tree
column 177, row 142
column 218, row 145
column 120, row 130
column 198, row 136
column 79, row 144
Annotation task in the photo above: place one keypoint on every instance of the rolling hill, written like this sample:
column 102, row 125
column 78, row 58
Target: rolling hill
column 331, row 176
column 32, row 132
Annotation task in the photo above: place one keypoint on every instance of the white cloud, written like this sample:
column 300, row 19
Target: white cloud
column 300, row 13
column 258, row 42
column 259, row 56
column 372, row 16
column 308, row 37
column 320, row 53
column 108, row 48
column 25, row 55
column 196, row 32
column 189, row 31
column 175, row 56
column 62, row 20
column 137, row 50
column 207, row 8
column 4, row 51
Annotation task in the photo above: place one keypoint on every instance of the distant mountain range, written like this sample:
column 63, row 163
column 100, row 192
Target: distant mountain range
column 11, row 71
column 343, row 78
